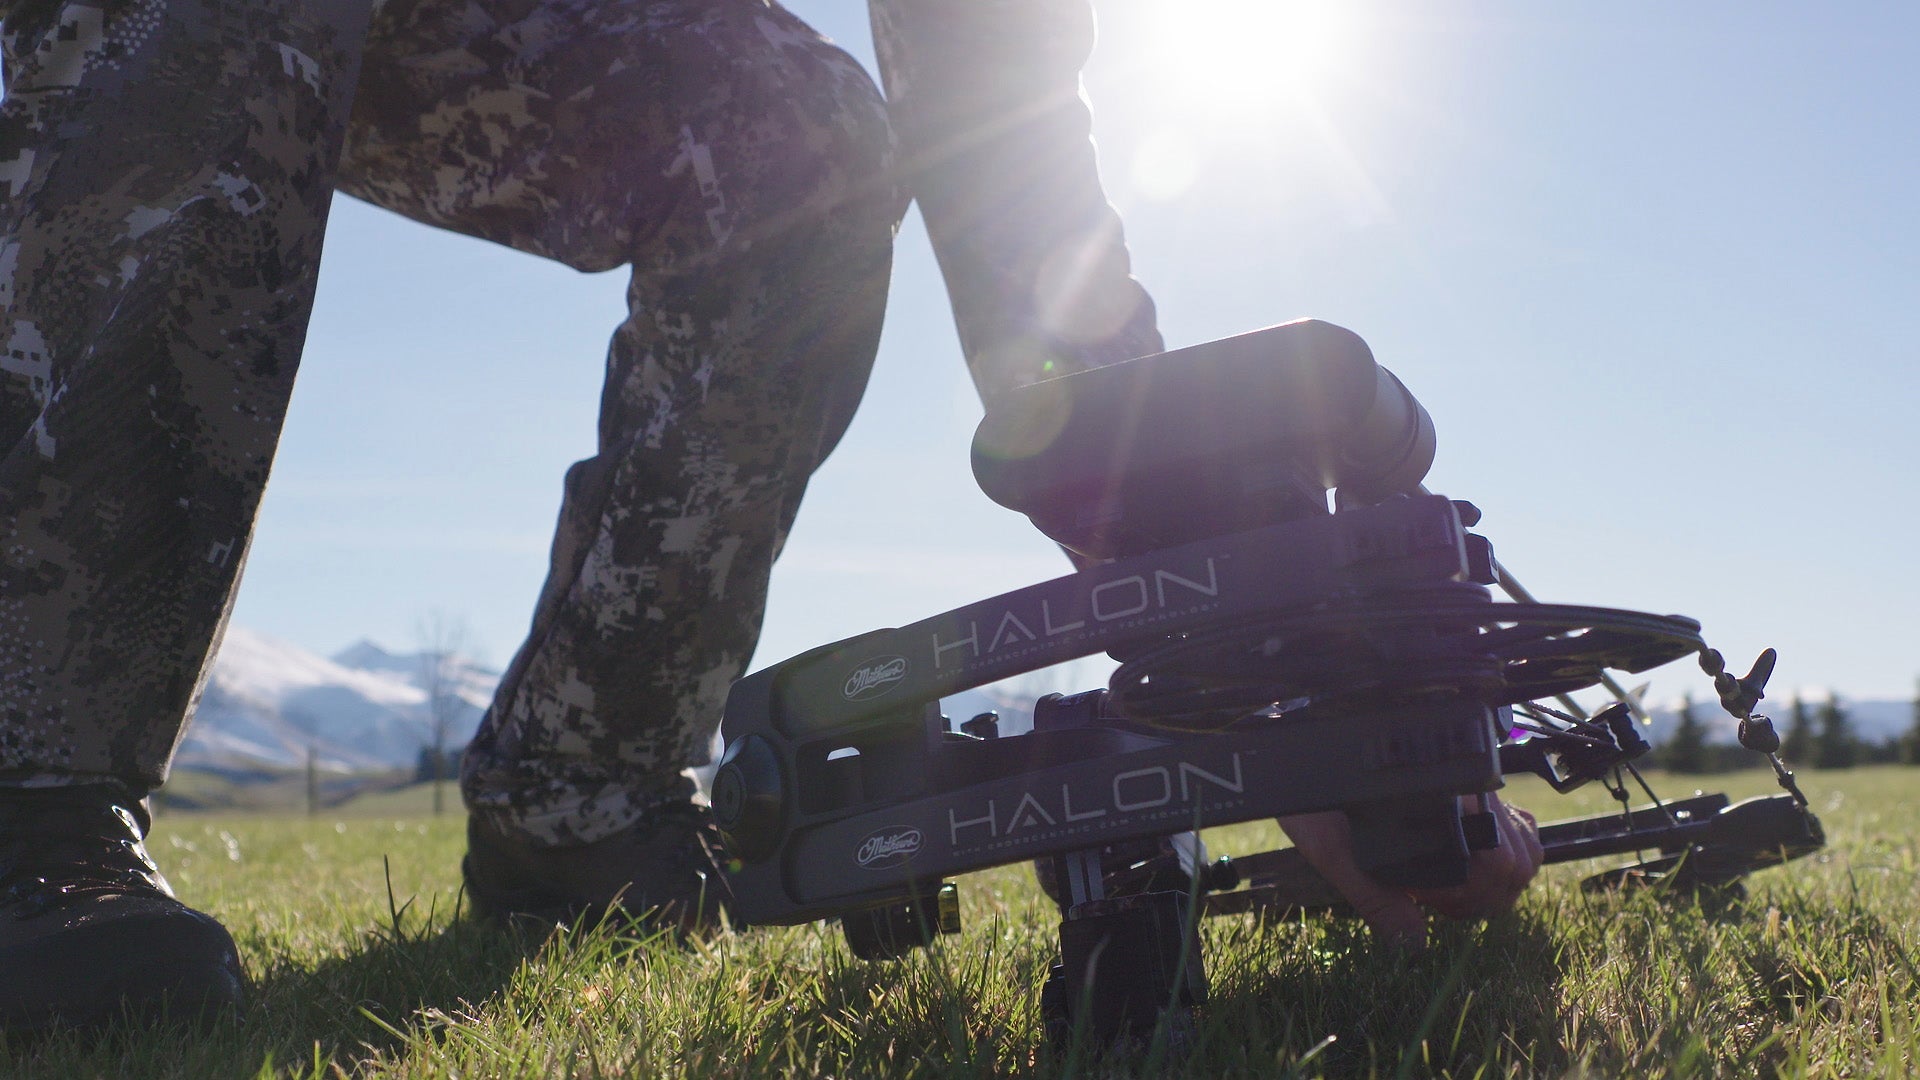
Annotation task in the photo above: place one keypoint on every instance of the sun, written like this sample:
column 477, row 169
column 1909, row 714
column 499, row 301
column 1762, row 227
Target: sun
column 1235, row 56
column 1234, row 77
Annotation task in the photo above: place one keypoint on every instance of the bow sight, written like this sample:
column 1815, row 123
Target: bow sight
column 1276, row 657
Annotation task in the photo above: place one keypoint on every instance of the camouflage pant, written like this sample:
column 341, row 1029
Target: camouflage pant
column 156, row 275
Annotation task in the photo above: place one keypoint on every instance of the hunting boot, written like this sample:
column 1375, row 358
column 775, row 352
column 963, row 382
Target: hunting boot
column 89, row 930
column 664, row 872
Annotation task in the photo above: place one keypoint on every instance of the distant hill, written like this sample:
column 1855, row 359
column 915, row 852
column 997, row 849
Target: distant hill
column 1874, row 720
column 268, row 702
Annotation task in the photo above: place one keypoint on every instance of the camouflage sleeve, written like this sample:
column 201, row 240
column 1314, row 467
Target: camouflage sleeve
column 996, row 140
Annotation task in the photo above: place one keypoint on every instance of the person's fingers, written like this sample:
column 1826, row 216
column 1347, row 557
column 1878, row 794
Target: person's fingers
column 1528, row 831
column 1497, row 876
column 1392, row 916
column 1532, row 834
column 1523, row 864
column 1326, row 841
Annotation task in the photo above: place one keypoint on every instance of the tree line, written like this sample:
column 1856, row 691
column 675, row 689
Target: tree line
column 1822, row 736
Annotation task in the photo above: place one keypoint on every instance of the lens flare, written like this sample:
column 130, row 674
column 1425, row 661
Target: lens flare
column 1230, row 55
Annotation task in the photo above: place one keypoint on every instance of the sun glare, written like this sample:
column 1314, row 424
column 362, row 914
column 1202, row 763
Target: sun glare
column 1259, row 82
column 1235, row 55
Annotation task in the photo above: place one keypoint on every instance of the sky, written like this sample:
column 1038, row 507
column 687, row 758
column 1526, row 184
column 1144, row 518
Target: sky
column 1654, row 270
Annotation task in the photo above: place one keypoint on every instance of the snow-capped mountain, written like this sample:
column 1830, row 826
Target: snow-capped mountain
column 268, row 702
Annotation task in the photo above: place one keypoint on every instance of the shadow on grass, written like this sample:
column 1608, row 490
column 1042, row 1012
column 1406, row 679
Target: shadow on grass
column 374, row 996
column 797, row 1003
column 1478, row 996
column 304, row 1016
column 1322, row 998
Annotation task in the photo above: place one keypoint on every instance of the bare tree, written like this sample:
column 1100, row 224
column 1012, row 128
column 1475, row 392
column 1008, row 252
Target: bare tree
column 441, row 638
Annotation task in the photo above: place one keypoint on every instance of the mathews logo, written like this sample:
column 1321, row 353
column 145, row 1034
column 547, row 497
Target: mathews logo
column 875, row 677
column 887, row 847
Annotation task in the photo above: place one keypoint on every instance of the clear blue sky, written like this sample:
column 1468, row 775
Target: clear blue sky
column 1653, row 268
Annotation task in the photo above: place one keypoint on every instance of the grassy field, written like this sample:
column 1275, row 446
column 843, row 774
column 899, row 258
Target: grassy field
column 363, row 967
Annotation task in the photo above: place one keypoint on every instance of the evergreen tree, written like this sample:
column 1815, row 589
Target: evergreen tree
column 1685, row 751
column 1910, row 746
column 1797, row 746
column 1835, row 747
column 1884, row 752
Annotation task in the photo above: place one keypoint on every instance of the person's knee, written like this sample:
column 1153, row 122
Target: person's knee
column 794, row 135
column 618, row 132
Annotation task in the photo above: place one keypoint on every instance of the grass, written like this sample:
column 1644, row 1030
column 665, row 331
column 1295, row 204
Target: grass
column 363, row 967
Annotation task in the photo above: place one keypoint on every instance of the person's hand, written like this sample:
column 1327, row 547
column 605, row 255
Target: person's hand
column 1495, row 876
